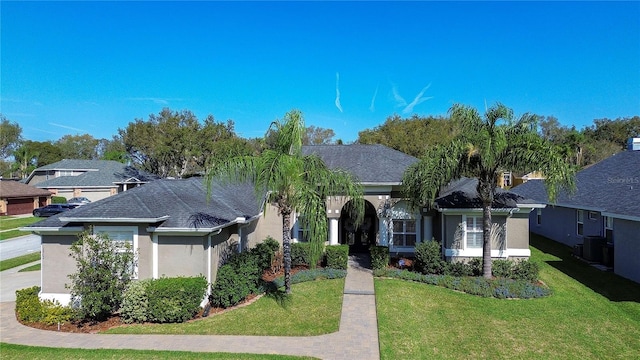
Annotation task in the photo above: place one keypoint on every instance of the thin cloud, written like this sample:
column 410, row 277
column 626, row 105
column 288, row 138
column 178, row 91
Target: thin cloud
column 338, row 105
column 373, row 100
column 400, row 101
column 417, row 101
column 67, row 127
column 158, row 101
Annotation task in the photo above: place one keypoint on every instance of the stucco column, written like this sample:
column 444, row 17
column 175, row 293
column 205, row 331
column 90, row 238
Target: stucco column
column 383, row 230
column 333, row 231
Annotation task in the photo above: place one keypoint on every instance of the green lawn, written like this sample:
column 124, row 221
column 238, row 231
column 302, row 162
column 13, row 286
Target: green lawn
column 7, row 223
column 10, row 351
column 36, row 267
column 313, row 308
column 20, row 260
column 591, row 315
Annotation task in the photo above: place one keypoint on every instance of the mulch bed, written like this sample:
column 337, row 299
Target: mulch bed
column 115, row 320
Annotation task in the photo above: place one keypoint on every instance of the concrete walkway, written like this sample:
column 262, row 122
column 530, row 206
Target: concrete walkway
column 357, row 337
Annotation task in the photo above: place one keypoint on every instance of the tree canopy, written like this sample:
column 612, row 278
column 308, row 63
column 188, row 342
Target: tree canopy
column 10, row 137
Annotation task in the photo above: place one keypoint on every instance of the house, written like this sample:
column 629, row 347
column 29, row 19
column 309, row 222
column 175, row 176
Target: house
column 93, row 179
column 178, row 232
column 605, row 205
column 17, row 198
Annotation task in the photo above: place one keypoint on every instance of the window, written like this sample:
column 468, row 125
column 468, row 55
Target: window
column 404, row 232
column 121, row 236
column 473, row 231
column 580, row 222
column 301, row 230
column 65, row 173
column 538, row 216
column 593, row 215
column 608, row 228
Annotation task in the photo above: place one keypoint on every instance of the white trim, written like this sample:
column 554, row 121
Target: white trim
column 621, row 217
column 114, row 220
column 53, row 230
column 63, row 299
column 532, row 206
column 477, row 219
column 464, row 211
column 185, row 231
column 209, row 280
column 155, row 255
column 477, row 252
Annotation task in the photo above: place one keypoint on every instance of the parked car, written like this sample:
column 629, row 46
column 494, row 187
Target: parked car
column 78, row 200
column 52, row 209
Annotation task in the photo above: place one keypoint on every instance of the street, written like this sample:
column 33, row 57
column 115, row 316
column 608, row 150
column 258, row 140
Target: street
column 19, row 246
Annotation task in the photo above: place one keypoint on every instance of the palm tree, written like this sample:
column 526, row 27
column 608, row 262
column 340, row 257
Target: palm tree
column 483, row 150
column 293, row 182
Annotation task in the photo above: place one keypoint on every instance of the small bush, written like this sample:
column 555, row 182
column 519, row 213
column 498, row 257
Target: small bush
column 28, row 306
column 429, row 258
column 501, row 268
column 54, row 313
column 525, row 270
column 265, row 252
column 300, row 254
column 58, row 200
column 337, row 256
column 458, row 269
column 238, row 278
column 476, row 266
column 135, row 302
column 379, row 257
column 176, row 299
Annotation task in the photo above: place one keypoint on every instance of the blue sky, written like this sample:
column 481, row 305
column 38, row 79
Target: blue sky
column 93, row 67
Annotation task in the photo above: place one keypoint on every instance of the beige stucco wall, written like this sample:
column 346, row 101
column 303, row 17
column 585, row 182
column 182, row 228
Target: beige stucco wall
column 56, row 264
column 182, row 256
column 269, row 224
column 518, row 231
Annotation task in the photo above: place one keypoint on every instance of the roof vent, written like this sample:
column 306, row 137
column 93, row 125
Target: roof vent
column 633, row 144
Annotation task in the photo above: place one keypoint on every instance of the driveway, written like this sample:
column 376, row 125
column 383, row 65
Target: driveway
column 12, row 280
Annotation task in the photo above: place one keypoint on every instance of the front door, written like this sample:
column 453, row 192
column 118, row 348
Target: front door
column 359, row 237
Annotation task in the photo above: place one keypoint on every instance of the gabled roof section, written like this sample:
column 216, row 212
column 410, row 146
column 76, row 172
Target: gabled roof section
column 166, row 204
column 15, row 189
column 611, row 186
column 463, row 194
column 370, row 164
column 98, row 173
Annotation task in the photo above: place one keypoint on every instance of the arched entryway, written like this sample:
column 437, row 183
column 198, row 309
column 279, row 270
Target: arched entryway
column 358, row 237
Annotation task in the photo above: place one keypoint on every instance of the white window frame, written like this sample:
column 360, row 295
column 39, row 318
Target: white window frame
column 404, row 232
column 538, row 216
column 608, row 222
column 121, row 229
column 579, row 221
column 400, row 212
column 593, row 215
column 476, row 229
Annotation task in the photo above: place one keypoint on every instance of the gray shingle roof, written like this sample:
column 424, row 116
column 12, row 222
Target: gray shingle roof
column 104, row 173
column 368, row 163
column 612, row 186
column 463, row 194
column 183, row 201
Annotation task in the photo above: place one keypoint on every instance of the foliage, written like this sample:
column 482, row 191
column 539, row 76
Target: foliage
column 78, row 147
column 312, row 275
column 429, row 258
column 498, row 288
column 484, row 148
column 518, row 270
column 58, row 200
column 265, row 252
column 399, row 134
column 379, row 257
column 10, row 136
column 318, row 136
column 293, row 182
column 30, row 309
column 502, row 268
column 236, row 279
column 300, row 254
column 458, row 269
column 135, row 302
column 337, row 256
column 103, row 272
column 176, row 144
column 175, row 299
column 33, row 154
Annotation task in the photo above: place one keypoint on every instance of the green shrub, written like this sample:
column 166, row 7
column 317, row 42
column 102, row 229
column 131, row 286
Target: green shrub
column 236, row 279
column 337, row 256
column 501, row 268
column 429, row 258
column 177, row 299
column 28, row 306
column 265, row 252
column 525, row 270
column 300, row 254
column 458, row 269
column 135, row 302
column 54, row 313
column 379, row 257
column 58, row 200
column 476, row 266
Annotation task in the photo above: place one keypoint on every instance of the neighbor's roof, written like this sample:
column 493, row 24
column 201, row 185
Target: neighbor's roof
column 611, row 186
column 463, row 194
column 370, row 164
column 172, row 203
column 103, row 173
column 16, row 189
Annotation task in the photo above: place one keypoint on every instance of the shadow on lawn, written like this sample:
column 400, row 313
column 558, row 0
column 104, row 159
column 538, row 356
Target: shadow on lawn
column 607, row 284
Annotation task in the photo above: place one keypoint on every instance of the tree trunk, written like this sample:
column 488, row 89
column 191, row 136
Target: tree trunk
column 486, row 240
column 286, row 248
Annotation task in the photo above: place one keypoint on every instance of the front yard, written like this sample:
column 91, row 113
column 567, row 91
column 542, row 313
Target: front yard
column 590, row 315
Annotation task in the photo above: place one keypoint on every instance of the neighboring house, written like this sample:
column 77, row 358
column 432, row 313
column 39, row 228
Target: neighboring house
column 606, row 204
column 17, row 198
column 93, row 179
column 163, row 220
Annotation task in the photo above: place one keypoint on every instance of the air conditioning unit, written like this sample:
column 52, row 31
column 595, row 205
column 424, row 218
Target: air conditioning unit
column 592, row 249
